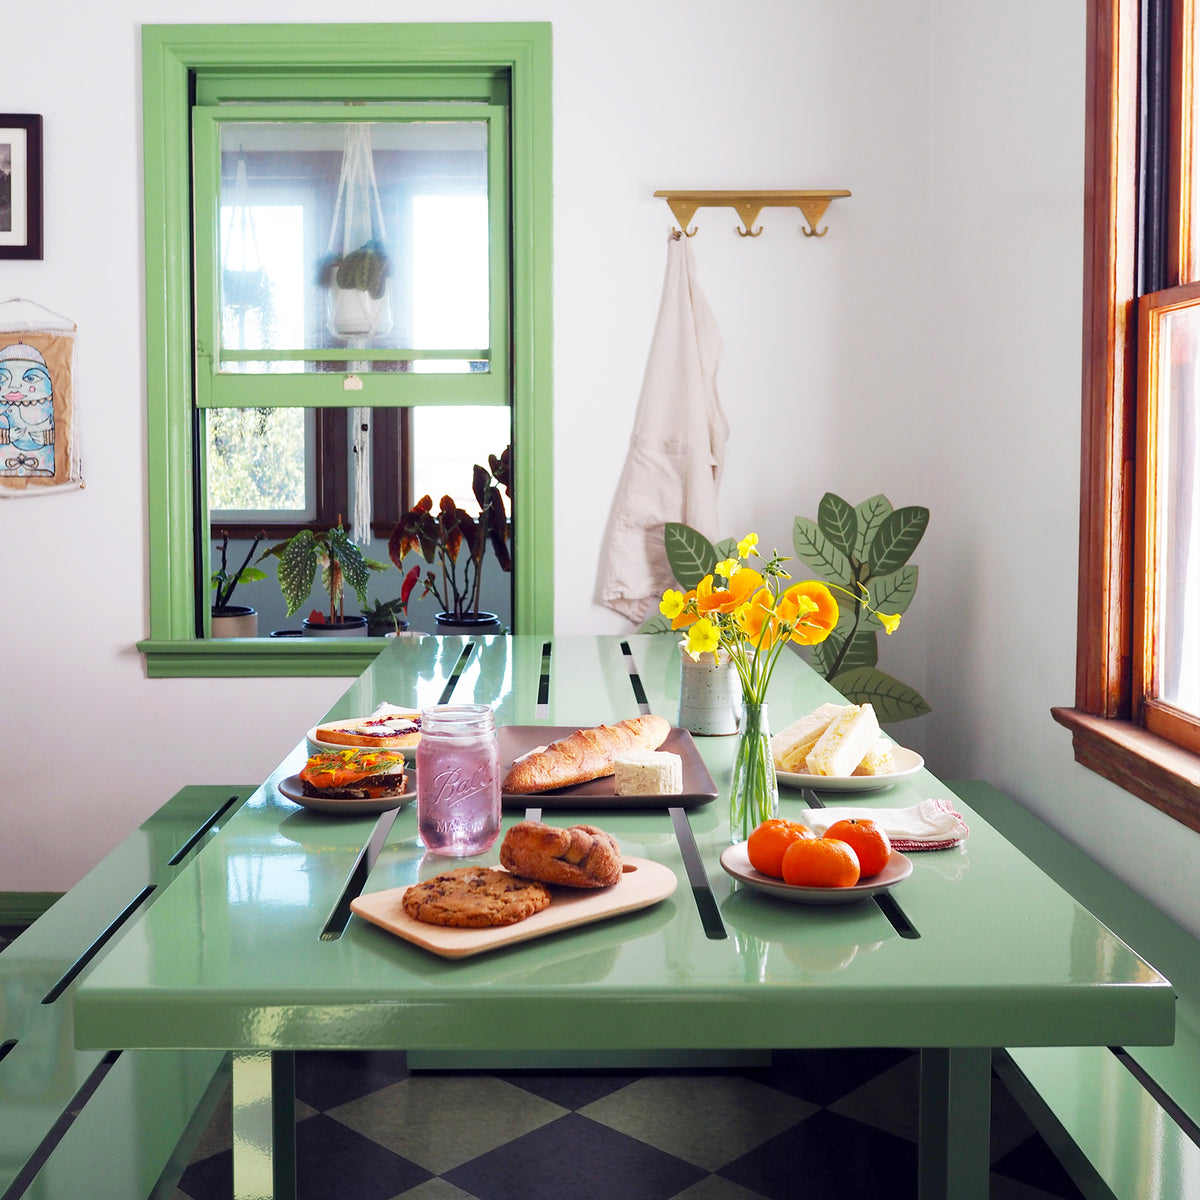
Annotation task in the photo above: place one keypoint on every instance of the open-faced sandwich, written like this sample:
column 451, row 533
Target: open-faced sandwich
column 387, row 728
column 355, row 775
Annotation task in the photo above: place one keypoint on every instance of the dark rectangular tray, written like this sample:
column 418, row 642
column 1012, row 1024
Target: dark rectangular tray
column 515, row 740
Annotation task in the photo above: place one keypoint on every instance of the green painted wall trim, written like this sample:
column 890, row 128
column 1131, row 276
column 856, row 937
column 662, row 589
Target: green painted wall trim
column 172, row 55
column 23, row 908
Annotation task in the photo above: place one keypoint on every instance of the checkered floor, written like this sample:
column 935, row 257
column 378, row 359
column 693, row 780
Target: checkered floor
column 814, row 1124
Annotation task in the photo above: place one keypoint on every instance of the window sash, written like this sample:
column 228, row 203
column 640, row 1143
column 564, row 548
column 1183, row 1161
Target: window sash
column 180, row 62
column 216, row 388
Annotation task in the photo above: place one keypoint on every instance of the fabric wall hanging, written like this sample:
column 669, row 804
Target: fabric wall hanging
column 39, row 428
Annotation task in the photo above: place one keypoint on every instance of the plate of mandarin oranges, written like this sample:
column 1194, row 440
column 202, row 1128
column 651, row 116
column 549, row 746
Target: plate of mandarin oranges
column 854, row 860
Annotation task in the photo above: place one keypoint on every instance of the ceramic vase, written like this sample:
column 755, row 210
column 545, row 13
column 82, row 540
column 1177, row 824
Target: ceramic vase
column 710, row 694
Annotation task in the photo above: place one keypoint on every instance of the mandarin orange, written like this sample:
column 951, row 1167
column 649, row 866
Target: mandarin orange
column 868, row 841
column 765, row 847
column 820, row 862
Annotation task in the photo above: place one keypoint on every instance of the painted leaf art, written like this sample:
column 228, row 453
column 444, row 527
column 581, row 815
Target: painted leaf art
column 690, row 554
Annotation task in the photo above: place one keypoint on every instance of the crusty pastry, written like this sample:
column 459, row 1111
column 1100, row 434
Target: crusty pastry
column 581, row 856
column 584, row 755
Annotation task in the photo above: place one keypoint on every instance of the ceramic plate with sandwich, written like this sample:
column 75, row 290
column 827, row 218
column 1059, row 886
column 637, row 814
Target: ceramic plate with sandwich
column 351, row 782
column 840, row 748
column 387, row 728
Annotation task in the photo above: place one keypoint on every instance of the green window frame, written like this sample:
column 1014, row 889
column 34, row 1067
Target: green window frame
column 189, row 69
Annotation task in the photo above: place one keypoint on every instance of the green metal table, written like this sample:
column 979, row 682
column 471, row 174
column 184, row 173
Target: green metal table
column 252, row 948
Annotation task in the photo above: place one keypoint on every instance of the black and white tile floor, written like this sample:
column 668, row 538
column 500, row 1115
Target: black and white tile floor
column 827, row 1125
column 814, row 1125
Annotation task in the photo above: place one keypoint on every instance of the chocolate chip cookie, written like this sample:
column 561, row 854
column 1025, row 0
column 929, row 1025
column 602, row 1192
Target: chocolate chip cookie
column 475, row 898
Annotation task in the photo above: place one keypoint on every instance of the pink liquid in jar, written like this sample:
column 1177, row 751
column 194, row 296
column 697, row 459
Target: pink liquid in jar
column 458, row 780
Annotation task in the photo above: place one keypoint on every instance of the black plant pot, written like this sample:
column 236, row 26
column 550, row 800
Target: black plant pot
column 349, row 628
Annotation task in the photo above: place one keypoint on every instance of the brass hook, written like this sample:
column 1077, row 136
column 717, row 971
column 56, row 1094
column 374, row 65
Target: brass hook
column 749, row 232
column 814, row 232
column 678, row 233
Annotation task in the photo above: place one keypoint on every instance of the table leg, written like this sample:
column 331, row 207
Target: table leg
column 955, row 1126
column 264, row 1126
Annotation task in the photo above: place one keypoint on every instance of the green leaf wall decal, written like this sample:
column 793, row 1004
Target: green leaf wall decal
column 690, row 554
column 838, row 521
column 897, row 538
column 870, row 514
column 656, row 623
column 893, row 593
column 891, row 699
column 815, row 549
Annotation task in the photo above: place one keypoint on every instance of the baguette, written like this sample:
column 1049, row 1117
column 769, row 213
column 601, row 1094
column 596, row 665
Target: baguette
column 584, row 755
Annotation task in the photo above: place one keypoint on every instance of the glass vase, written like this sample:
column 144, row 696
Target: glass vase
column 754, row 792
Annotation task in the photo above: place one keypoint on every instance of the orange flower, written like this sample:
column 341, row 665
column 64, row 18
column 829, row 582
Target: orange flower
column 812, row 606
column 757, row 619
column 741, row 587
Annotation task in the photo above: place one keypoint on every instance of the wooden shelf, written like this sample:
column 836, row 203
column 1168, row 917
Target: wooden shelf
column 748, row 204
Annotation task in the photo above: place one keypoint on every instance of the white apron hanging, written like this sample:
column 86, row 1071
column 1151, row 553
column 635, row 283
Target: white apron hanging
column 39, row 427
column 677, row 449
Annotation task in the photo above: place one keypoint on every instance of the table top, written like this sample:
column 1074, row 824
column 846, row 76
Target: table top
column 250, row 946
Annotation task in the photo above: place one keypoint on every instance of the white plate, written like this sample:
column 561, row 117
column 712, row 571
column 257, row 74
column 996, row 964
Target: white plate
column 736, row 862
column 908, row 762
column 293, row 789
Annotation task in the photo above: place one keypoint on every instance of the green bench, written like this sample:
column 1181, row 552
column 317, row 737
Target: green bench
column 1124, row 1121
column 116, row 1126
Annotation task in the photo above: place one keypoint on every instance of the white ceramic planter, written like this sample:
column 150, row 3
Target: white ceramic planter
column 468, row 623
column 234, row 621
column 710, row 694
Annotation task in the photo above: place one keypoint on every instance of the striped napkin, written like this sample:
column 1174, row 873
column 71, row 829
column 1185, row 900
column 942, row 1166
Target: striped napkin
column 930, row 825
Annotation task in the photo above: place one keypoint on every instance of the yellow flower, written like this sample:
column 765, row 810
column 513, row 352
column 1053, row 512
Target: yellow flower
column 671, row 604
column 889, row 621
column 728, row 567
column 702, row 638
column 747, row 545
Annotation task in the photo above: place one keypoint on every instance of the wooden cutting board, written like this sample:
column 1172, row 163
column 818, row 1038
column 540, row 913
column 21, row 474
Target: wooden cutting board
column 643, row 883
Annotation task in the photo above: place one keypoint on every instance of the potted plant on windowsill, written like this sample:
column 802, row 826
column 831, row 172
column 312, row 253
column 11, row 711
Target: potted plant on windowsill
column 391, row 616
column 231, row 620
column 341, row 563
column 455, row 543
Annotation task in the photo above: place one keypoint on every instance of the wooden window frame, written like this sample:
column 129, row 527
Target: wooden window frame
column 1113, row 733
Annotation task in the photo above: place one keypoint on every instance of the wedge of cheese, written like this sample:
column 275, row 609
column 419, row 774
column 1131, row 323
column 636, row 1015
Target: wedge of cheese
column 878, row 760
column 791, row 745
column 845, row 742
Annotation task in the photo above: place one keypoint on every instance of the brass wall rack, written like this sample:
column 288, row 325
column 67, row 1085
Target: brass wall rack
column 749, row 204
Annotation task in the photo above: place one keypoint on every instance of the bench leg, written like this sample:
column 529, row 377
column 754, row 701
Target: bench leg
column 264, row 1126
column 955, row 1124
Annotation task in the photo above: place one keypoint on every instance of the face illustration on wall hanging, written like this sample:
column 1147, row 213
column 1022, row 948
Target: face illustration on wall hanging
column 26, row 413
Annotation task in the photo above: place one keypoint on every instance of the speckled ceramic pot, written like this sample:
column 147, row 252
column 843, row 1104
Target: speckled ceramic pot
column 710, row 694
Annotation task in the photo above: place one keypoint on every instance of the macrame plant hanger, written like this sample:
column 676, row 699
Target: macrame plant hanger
column 359, row 305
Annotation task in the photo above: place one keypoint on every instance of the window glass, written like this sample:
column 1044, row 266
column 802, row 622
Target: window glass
column 1178, row 533
column 261, row 464
column 449, row 441
column 360, row 236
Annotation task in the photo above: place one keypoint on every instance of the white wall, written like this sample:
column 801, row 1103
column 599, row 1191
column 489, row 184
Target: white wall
column 928, row 348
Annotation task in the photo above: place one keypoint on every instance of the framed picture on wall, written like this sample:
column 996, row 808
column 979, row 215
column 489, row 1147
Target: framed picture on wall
column 20, row 185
